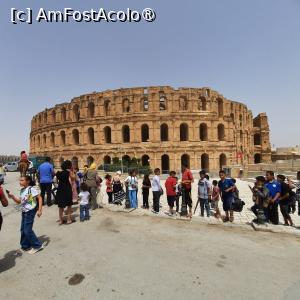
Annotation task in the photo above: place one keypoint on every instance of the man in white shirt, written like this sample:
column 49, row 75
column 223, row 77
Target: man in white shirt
column 157, row 190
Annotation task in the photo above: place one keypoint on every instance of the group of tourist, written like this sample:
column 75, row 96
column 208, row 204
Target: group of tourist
column 269, row 194
column 73, row 187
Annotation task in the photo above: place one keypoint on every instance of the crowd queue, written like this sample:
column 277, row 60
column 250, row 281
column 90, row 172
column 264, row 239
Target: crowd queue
column 72, row 186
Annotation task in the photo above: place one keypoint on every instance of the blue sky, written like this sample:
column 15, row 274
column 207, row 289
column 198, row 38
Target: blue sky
column 248, row 50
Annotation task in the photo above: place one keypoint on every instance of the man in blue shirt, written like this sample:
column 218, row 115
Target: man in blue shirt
column 45, row 175
column 274, row 188
column 226, row 186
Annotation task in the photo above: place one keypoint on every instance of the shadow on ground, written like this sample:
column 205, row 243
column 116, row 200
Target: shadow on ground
column 44, row 239
column 9, row 260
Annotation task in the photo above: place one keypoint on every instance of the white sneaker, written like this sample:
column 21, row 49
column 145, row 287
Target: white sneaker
column 35, row 250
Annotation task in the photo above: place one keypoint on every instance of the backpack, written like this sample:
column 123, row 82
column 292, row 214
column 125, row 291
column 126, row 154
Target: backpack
column 238, row 205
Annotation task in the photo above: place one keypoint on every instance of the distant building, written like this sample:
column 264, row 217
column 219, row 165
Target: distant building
column 162, row 126
column 8, row 158
column 287, row 153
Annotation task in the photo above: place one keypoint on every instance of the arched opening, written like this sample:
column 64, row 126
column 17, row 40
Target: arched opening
column 165, row 164
column 63, row 114
column 145, row 133
column 202, row 104
column 205, row 162
column 90, row 160
column 164, row 132
column 203, row 132
column 107, row 108
column 232, row 117
column 45, row 118
column 126, row 106
column 91, row 135
column 63, row 138
column 126, row 134
column 53, row 115
column 126, row 160
column 39, row 141
column 75, row 134
column 91, row 110
column 75, row 162
column 221, row 132
column 257, row 139
column 220, row 108
column 257, row 158
column 183, row 103
column 145, row 160
column 52, row 139
column 185, row 160
column 184, row 132
column 45, row 140
column 76, row 112
column 107, row 160
column 241, row 137
column 107, row 135
column 162, row 102
column 145, row 104
column 222, row 161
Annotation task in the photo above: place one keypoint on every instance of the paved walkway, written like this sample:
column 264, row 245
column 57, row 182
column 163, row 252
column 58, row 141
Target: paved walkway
column 241, row 219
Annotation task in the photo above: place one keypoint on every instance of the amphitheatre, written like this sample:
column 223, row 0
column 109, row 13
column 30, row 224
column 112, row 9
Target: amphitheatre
column 159, row 125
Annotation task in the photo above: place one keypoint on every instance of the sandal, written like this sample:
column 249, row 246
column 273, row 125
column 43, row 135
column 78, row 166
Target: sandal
column 226, row 219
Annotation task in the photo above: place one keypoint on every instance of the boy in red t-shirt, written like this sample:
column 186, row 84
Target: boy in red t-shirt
column 170, row 185
column 187, row 180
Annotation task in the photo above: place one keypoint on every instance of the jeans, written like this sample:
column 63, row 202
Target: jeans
column 156, row 196
column 132, row 198
column 28, row 237
column 46, row 189
column 204, row 204
column 84, row 212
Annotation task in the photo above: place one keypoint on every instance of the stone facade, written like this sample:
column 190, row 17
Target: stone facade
column 162, row 126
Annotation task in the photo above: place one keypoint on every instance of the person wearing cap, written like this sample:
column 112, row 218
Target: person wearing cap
column 204, row 193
